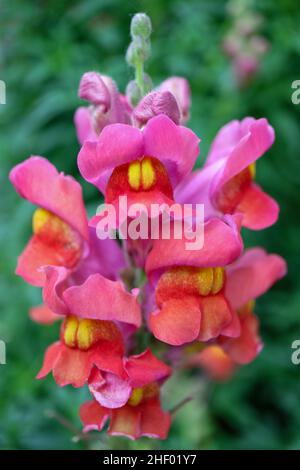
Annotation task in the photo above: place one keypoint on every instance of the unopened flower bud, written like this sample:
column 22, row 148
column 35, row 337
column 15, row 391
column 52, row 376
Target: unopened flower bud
column 133, row 93
column 93, row 89
column 140, row 26
column 138, row 51
column 156, row 103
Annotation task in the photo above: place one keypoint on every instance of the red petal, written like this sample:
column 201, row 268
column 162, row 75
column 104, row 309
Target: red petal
column 216, row 315
column 154, row 421
column 177, row 322
column 50, row 359
column 126, row 421
column 93, row 416
column 43, row 315
column 73, row 367
column 259, row 209
column 146, row 368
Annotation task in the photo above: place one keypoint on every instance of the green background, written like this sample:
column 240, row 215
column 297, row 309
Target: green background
column 45, row 47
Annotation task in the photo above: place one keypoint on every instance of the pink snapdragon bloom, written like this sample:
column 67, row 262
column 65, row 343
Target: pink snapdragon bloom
column 189, row 286
column 132, row 404
column 248, row 278
column 60, row 226
column 91, row 332
column 107, row 106
column 145, row 165
column 226, row 183
column 61, row 235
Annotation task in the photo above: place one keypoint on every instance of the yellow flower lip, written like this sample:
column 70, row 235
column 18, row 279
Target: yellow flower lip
column 141, row 174
column 83, row 333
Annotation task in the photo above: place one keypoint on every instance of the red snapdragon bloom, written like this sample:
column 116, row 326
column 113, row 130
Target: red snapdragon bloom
column 248, row 278
column 138, row 412
column 189, row 286
column 91, row 332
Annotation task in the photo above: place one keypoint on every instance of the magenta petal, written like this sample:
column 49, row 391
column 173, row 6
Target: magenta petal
column 38, row 181
column 252, row 275
column 177, row 147
column 99, row 298
column 255, row 141
column 117, row 144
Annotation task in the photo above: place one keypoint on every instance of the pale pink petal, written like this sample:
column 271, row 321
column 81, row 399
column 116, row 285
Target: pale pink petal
column 109, row 390
column 83, row 125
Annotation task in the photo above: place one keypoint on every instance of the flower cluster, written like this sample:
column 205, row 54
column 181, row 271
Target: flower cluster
column 106, row 294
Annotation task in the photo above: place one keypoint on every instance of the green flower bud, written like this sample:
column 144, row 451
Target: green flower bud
column 140, row 26
column 138, row 51
column 133, row 93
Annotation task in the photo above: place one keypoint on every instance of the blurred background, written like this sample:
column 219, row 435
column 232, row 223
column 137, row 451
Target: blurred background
column 45, row 47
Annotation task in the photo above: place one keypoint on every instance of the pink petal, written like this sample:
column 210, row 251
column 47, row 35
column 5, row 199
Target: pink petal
column 258, row 208
column 180, row 88
column 37, row 180
column 176, row 147
column 93, row 89
column 156, row 103
column 101, row 299
column 222, row 244
column 55, row 284
column 117, row 144
column 252, row 275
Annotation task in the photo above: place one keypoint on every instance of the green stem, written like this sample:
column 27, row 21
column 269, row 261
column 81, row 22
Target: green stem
column 139, row 76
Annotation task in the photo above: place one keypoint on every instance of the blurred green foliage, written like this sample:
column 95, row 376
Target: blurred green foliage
column 45, row 47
